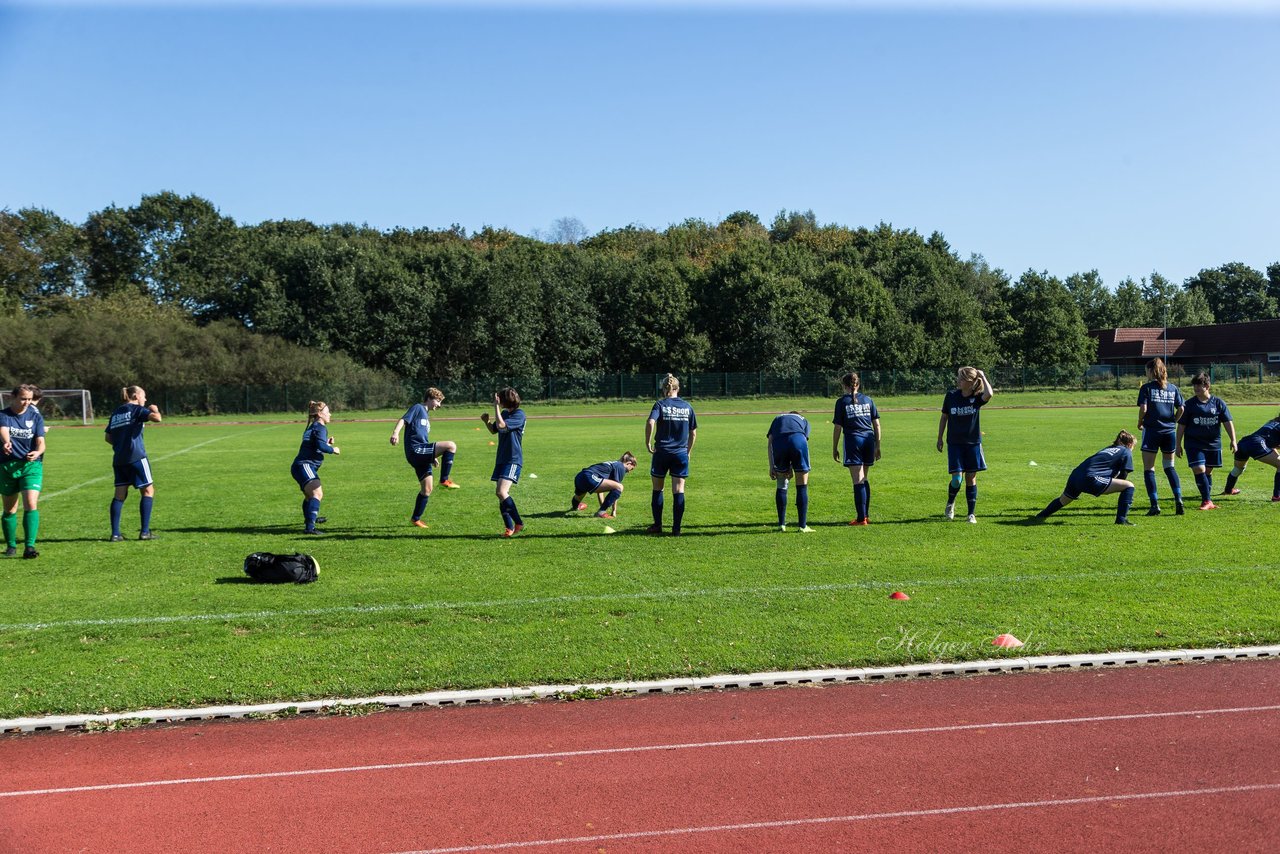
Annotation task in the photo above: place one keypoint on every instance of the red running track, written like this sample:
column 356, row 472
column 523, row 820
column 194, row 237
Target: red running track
column 1140, row 759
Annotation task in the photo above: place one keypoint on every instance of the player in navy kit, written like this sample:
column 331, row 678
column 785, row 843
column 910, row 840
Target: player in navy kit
column 964, row 436
column 603, row 479
column 788, row 441
column 1159, row 408
column 857, row 419
column 1200, row 436
column 669, row 434
column 124, row 434
column 1101, row 474
column 508, row 423
column 421, row 453
column 22, row 434
column 316, row 442
column 1262, row 445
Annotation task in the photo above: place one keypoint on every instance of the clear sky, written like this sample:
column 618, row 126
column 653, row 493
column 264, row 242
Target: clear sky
column 1047, row 135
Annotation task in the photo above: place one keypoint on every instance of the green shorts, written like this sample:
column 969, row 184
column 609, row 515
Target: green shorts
column 20, row 475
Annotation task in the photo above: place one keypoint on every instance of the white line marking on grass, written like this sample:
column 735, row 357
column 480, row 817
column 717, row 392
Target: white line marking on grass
column 838, row 819
column 646, row 748
column 46, row 496
column 570, row 599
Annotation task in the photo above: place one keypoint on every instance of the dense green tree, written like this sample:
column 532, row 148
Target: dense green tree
column 1095, row 301
column 1130, row 307
column 1053, row 332
column 1235, row 293
column 41, row 259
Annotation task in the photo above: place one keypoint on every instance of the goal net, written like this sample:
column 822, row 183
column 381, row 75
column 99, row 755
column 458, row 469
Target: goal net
column 60, row 404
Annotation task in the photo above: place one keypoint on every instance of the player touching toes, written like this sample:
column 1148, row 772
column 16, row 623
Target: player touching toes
column 603, row 479
column 788, row 440
column 1262, row 445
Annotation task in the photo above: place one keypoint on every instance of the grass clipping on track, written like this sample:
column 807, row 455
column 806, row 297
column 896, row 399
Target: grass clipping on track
column 94, row 626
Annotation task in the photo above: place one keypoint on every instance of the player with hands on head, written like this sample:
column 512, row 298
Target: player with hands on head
column 421, row 453
column 960, row 422
column 124, row 434
column 1200, row 436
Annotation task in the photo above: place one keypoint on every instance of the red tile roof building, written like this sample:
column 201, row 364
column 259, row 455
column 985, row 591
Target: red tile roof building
column 1256, row 341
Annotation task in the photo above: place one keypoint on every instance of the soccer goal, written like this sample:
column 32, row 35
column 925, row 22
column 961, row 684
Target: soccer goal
column 60, row 404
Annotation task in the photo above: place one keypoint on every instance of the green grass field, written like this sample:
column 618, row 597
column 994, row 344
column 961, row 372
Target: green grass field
column 94, row 626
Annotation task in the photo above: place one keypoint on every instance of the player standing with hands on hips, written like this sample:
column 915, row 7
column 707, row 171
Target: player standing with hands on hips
column 669, row 434
column 124, row 434
column 22, row 433
column 963, row 430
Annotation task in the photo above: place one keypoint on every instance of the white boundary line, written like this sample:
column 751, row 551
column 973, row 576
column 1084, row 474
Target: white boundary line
column 836, row 819
column 660, row 686
column 643, row 748
column 91, row 481
column 400, row 607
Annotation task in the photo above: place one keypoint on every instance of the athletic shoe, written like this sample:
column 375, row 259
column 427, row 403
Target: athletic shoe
column 418, row 523
column 973, row 520
column 310, row 531
column 1126, row 522
column 1208, row 505
column 30, row 553
column 11, row 551
column 518, row 528
column 950, row 512
column 1232, row 491
column 1154, row 511
column 581, row 505
column 449, row 484
column 675, row 532
column 507, row 532
column 320, row 520
column 806, row 530
column 860, row 522
column 116, row 538
column 782, row 529
column 1275, row 498
column 653, row 529
column 1180, row 509
column 602, row 514
column 146, row 535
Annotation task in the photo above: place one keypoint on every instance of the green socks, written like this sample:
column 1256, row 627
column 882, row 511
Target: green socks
column 9, row 522
column 31, row 525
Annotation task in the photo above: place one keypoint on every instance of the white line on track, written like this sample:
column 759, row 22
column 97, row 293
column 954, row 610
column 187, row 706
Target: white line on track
column 570, row 599
column 646, row 748
column 837, row 819
column 46, row 496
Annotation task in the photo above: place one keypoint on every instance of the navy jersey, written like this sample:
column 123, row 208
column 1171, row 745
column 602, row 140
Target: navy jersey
column 24, row 429
column 125, row 431
column 1106, row 464
column 856, row 414
column 1203, row 420
column 509, row 438
column 675, row 420
column 315, row 444
column 1269, row 433
column 609, row 470
column 786, row 423
column 1162, row 406
column 418, row 430
column 963, row 427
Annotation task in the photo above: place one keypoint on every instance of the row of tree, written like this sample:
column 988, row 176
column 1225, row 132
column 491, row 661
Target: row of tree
column 734, row 295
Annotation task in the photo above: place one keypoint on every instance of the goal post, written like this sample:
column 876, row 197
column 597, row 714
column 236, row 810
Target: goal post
column 60, row 404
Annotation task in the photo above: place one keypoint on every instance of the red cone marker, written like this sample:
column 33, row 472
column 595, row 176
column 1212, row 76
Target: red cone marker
column 899, row 595
column 1006, row 641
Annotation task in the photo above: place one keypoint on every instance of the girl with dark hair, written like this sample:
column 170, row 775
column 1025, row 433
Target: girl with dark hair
column 507, row 423
column 1201, row 426
column 22, row 433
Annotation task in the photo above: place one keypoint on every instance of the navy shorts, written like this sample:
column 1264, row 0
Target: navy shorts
column 859, row 449
column 963, row 458
column 136, row 474
column 674, row 463
column 791, row 451
column 506, row 471
column 423, row 464
column 304, row 473
column 1090, row 484
column 586, row 482
column 1252, row 447
column 1165, row 443
column 1209, row 456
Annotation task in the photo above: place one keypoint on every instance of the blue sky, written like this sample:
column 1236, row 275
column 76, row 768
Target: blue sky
column 1043, row 135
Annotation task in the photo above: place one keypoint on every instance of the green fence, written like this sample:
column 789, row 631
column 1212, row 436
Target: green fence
column 293, row 397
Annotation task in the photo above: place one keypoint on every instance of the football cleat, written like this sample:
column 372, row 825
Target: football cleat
column 11, row 551
column 507, row 532
column 1154, row 511
column 782, row 529
column 30, row 553
column 653, row 529
column 1208, row 505
column 418, row 523
column 518, row 528
column 805, row 529
column 449, row 484
column 973, row 520
column 1232, row 491
column 146, row 535
column 1180, row 509
column 116, row 538
column 1126, row 522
